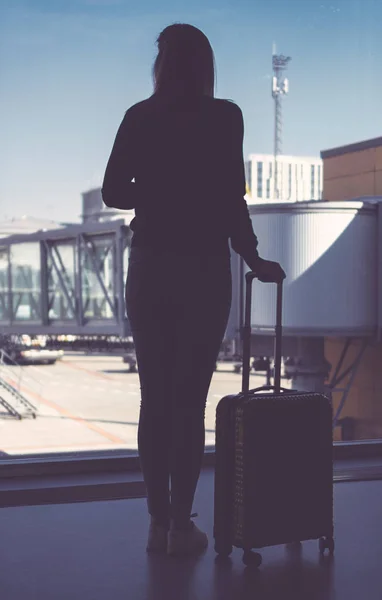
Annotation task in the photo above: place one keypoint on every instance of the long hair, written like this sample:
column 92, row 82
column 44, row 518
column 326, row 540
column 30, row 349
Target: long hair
column 185, row 63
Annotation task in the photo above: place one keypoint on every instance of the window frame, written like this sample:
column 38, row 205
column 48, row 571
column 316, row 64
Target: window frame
column 122, row 461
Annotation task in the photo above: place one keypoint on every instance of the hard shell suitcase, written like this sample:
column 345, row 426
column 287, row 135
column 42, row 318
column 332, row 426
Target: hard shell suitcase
column 273, row 461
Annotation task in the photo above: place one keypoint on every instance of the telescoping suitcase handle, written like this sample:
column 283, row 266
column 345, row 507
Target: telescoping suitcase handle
column 249, row 277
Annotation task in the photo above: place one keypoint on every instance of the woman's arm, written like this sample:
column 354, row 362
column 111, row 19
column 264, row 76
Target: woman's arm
column 118, row 189
column 243, row 238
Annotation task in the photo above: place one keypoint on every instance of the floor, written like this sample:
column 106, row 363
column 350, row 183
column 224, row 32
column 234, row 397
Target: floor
column 96, row 551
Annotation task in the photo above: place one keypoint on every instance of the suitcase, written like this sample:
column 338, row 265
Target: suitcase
column 273, row 461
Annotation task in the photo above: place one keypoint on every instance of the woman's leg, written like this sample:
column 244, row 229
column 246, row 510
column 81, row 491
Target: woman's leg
column 178, row 309
column 151, row 322
column 200, row 326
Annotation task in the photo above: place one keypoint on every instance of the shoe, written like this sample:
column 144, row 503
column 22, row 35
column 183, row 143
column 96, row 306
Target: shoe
column 157, row 539
column 186, row 542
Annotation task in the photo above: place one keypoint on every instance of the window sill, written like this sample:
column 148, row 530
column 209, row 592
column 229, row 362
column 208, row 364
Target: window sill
column 123, row 461
column 58, row 479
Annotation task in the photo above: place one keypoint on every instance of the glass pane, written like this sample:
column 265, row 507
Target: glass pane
column 26, row 283
column 357, row 401
column 69, row 71
column 126, row 254
column 61, row 281
column 97, row 268
column 4, row 287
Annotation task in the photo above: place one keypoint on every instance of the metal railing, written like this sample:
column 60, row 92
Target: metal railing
column 16, row 384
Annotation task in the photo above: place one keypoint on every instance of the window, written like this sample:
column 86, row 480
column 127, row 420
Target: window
column 259, row 179
column 89, row 402
column 268, row 188
column 248, row 174
column 312, row 182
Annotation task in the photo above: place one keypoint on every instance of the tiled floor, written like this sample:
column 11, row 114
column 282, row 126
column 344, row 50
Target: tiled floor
column 96, row 551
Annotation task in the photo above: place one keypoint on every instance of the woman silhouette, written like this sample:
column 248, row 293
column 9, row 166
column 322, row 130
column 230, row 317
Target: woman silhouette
column 183, row 148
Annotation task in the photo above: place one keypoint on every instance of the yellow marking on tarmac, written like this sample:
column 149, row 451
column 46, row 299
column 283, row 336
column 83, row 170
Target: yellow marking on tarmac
column 66, row 413
column 95, row 373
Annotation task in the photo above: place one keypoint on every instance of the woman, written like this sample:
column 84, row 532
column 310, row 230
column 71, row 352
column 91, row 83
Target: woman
column 183, row 148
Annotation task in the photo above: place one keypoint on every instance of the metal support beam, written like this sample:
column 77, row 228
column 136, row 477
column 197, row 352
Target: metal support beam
column 344, row 352
column 91, row 253
column 60, row 277
column 44, row 281
column 122, row 241
column 68, row 283
column 78, row 284
column 345, row 391
column 10, row 293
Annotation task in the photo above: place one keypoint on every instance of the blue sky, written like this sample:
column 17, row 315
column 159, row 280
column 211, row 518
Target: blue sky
column 70, row 68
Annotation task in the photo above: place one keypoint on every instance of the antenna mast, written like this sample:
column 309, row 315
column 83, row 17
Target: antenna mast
column 280, row 87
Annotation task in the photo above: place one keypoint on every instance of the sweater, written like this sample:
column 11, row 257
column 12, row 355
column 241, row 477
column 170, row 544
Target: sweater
column 178, row 162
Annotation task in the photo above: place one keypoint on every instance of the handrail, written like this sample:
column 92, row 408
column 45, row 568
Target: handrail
column 22, row 377
column 5, row 354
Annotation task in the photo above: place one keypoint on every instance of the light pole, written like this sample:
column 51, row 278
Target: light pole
column 280, row 87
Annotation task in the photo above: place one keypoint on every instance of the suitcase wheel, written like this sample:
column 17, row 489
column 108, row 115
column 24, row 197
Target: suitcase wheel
column 223, row 548
column 326, row 543
column 252, row 559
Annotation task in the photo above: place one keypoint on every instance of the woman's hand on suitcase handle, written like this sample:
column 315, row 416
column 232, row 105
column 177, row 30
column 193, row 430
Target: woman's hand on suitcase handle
column 268, row 271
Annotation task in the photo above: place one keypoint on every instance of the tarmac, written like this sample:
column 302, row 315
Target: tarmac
column 91, row 402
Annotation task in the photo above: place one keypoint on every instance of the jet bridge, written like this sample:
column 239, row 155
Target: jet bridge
column 65, row 281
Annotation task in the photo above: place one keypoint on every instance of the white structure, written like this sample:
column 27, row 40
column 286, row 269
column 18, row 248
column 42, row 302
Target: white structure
column 25, row 225
column 93, row 209
column 323, row 247
column 300, row 178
